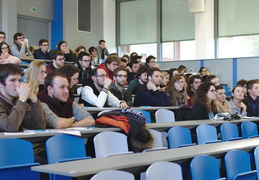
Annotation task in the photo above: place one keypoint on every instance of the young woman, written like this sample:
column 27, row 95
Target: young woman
column 236, row 104
column 69, row 55
column 182, row 69
column 204, row 73
column 204, row 106
column 165, row 80
column 6, row 56
column 80, row 49
column 35, row 74
column 221, row 102
column 175, row 89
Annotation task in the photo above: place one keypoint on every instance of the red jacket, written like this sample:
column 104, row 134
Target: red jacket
column 109, row 72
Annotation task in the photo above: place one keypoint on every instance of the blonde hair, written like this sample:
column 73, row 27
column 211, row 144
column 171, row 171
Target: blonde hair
column 31, row 75
column 164, row 74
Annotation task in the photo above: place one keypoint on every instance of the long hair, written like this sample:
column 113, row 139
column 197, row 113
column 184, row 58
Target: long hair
column 31, row 75
column 201, row 96
column 178, row 98
column 1, row 45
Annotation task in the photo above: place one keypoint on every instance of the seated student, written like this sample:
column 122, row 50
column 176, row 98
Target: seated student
column 137, row 58
column 165, row 80
column 182, row 69
column 111, row 63
column 43, row 52
column 140, row 81
column 69, row 55
column 58, row 60
column 213, row 79
column 62, row 112
column 242, row 83
column 16, row 112
column 19, row 47
column 204, row 74
column 93, row 52
column 151, row 93
column 235, row 103
column 84, row 65
column 251, row 100
column 221, row 102
column 173, row 72
column 132, row 69
column 6, row 56
column 175, row 90
column 97, row 93
column 118, row 89
column 80, row 49
column 72, row 73
column 204, row 106
column 193, row 84
column 151, row 62
column 35, row 75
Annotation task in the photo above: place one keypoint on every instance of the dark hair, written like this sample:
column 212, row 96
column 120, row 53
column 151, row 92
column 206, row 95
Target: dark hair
column 133, row 62
column 69, row 70
column 200, row 71
column 200, row 96
column 41, row 41
column 8, row 69
column 118, row 69
column 149, row 58
column 170, row 71
column 94, row 72
column 136, row 57
column 50, row 77
column 133, row 54
column 60, row 43
column 242, row 82
column 101, row 41
column 113, row 58
column 249, row 84
column 55, row 53
column 91, row 49
column 234, row 88
column 152, row 70
column 141, row 70
column 16, row 35
column 124, row 60
column 191, row 80
column 1, row 32
column 219, row 87
column 1, row 44
column 82, row 54
column 210, row 77
column 181, row 67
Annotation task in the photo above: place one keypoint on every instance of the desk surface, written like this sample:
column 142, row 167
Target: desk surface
column 128, row 161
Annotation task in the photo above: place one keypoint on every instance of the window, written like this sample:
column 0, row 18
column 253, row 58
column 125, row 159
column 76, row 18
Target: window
column 84, row 15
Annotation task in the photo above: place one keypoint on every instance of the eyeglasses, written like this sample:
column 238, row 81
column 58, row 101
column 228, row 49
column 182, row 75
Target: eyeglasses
column 102, row 75
column 20, row 37
column 180, row 82
column 45, row 45
column 61, row 59
column 197, row 82
column 43, row 72
column 86, row 60
column 212, row 90
column 4, row 47
column 120, row 76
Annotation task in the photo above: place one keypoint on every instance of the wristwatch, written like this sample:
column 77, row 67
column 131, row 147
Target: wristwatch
column 22, row 100
column 74, row 119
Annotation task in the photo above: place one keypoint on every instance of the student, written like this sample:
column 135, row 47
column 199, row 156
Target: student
column 102, row 51
column 251, row 100
column 193, row 84
column 221, row 102
column 204, row 73
column 2, row 36
column 61, row 112
column 58, row 61
column 213, row 79
column 151, row 62
column 69, row 55
column 165, row 80
column 235, row 103
column 6, row 56
column 19, row 105
column 43, row 52
column 84, row 65
column 204, row 106
column 140, row 81
column 182, row 69
column 111, row 63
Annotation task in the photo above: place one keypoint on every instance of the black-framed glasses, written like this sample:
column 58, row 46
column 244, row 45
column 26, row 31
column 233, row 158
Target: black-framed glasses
column 61, row 59
column 45, row 45
column 120, row 76
column 4, row 47
column 102, row 75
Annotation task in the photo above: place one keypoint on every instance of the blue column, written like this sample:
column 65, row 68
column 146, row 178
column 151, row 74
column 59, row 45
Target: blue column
column 234, row 71
column 57, row 23
column 201, row 63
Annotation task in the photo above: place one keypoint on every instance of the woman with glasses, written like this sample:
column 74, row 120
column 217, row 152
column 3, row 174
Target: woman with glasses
column 176, row 91
column 70, row 56
column 221, row 102
column 235, row 103
column 6, row 56
column 35, row 75
column 204, row 106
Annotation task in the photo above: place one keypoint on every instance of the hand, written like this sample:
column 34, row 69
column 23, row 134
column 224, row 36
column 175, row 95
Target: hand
column 242, row 105
column 23, row 91
column 128, row 69
column 33, row 97
column 156, row 65
column 23, row 43
column 123, row 105
column 66, row 50
column 151, row 86
column 107, row 82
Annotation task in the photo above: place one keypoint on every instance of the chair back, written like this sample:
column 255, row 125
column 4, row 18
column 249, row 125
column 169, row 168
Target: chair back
column 237, row 162
column 164, row 115
column 158, row 141
column 146, row 114
column 249, row 129
column 228, row 131
column 164, row 171
column 256, row 155
column 204, row 167
column 113, row 175
column 108, row 143
column 179, row 136
column 206, row 134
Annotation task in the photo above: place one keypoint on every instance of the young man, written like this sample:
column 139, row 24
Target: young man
column 58, row 61
column 132, row 69
column 84, row 65
column 151, row 94
column 62, row 112
column 140, row 81
column 117, row 89
column 193, row 85
column 251, row 100
column 111, row 63
column 43, row 52
column 19, row 47
column 137, row 58
column 97, row 93
column 102, row 51
column 213, row 79
column 2, row 36
column 151, row 62
column 19, row 106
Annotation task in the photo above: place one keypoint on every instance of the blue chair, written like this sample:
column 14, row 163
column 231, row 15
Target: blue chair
column 206, row 134
column 238, row 166
column 179, row 137
column 114, row 175
column 256, row 156
column 64, row 147
column 249, row 129
column 205, row 168
column 164, row 115
column 229, row 131
column 16, row 159
column 164, row 171
column 146, row 114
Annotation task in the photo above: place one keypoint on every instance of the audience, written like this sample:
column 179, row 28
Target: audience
column 102, row 51
column 61, row 111
column 69, row 55
column 151, row 93
column 204, row 106
column 118, row 88
column 43, row 52
column 19, row 105
column 35, row 75
column 193, row 85
column 252, row 100
column 140, row 81
column 19, row 47
column 97, row 94
column 235, row 103
column 57, row 61
column 221, row 102
column 6, row 56
column 111, row 63
column 84, row 65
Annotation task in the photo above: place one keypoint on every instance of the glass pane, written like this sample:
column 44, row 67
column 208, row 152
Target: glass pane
column 138, row 22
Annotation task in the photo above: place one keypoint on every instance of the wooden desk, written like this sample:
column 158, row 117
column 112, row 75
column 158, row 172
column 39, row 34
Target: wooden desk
column 138, row 162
